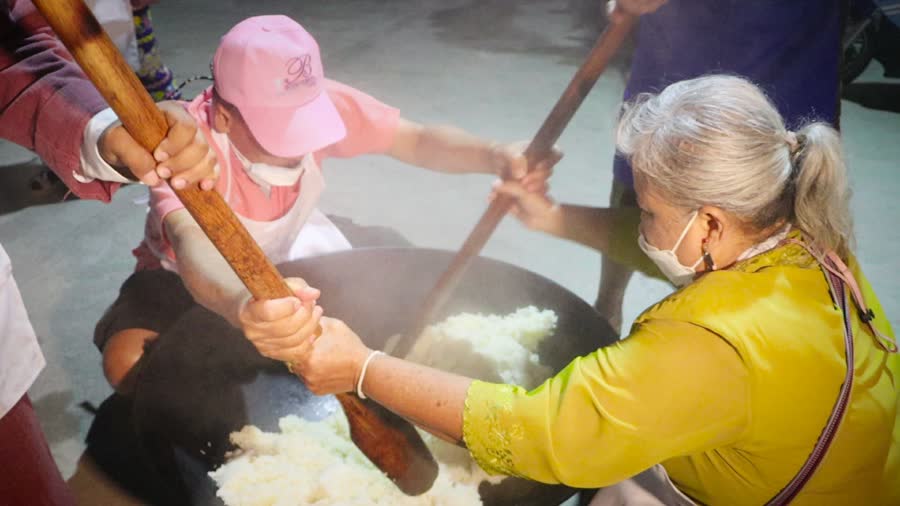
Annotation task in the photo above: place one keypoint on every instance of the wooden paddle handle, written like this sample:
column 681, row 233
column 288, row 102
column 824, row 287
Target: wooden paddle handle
column 391, row 443
column 539, row 148
column 104, row 65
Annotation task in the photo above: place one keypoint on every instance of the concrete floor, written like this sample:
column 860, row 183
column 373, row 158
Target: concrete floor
column 493, row 67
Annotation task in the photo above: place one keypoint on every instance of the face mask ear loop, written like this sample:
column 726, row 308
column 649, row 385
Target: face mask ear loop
column 684, row 232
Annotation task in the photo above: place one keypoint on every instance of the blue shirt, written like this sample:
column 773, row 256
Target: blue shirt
column 790, row 48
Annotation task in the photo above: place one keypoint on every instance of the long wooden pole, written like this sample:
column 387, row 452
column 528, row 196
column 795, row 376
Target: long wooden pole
column 540, row 147
column 390, row 442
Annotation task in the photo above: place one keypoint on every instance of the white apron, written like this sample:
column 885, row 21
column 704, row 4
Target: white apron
column 304, row 230
column 20, row 355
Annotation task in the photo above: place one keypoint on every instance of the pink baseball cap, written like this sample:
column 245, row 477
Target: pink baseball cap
column 270, row 69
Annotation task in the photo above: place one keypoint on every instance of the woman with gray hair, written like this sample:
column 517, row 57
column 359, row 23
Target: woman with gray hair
column 770, row 376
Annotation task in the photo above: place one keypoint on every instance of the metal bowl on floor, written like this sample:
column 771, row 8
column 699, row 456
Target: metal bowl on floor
column 203, row 380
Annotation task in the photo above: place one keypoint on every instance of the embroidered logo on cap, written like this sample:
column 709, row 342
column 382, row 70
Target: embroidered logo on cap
column 299, row 71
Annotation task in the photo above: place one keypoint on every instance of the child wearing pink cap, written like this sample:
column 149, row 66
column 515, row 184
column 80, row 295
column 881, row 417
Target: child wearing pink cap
column 273, row 119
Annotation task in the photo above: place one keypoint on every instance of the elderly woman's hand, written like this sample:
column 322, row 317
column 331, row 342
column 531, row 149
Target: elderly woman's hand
column 331, row 363
column 278, row 327
column 531, row 204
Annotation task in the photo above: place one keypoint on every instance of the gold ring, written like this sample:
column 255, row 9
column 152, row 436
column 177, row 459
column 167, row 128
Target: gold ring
column 290, row 367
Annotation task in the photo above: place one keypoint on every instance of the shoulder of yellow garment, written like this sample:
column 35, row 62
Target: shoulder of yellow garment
column 738, row 285
column 788, row 277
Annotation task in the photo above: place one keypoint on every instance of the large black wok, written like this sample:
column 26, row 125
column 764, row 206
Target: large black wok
column 202, row 380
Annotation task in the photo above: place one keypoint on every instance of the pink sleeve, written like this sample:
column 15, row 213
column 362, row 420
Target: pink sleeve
column 371, row 124
column 164, row 201
column 45, row 97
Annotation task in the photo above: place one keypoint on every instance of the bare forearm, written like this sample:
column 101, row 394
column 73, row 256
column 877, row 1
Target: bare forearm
column 432, row 399
column 443, row 149
column 589, row 226
column 205, row 272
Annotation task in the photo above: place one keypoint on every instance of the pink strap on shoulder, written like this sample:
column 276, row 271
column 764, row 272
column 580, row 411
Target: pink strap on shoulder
column 837, row 267
column 837, row 276
column 836, row 286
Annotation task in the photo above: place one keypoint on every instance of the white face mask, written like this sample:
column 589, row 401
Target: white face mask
column 267, row 175
column 667, row 260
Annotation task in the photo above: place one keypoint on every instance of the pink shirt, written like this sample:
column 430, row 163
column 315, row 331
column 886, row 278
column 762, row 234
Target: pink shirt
column 371, row 126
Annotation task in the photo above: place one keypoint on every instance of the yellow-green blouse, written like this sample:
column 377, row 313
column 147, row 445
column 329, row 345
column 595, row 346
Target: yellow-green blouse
column 727, row 382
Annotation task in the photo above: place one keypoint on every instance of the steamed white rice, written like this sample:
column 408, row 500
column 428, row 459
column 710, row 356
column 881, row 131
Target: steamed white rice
column 315, row 463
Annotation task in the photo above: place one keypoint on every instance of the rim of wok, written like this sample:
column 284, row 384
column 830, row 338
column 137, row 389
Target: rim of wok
column 202, row 380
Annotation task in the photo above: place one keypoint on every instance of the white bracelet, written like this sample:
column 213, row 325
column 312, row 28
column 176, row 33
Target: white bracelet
column 362, row 374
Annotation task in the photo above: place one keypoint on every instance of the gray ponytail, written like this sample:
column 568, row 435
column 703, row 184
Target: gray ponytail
column 822, row 193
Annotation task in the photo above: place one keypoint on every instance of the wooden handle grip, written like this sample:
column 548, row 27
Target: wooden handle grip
column 104, row 65
column 390, row 442
column 539, row 148
column 235, row 243
column 578, row 88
